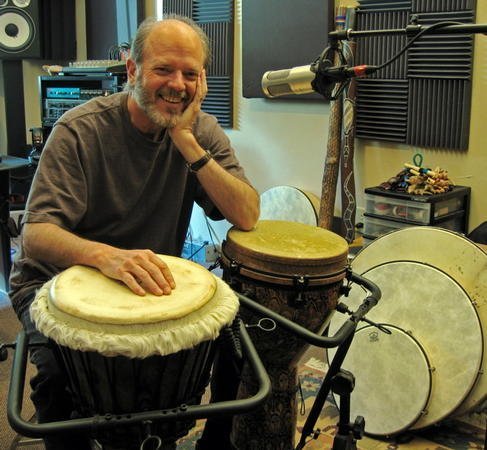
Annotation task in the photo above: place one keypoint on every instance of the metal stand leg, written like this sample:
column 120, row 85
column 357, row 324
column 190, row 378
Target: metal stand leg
column 341, row 382
column 308, row 428
column 348, row 433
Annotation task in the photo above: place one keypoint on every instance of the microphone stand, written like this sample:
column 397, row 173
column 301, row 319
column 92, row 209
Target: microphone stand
column 331, row 81
column 328, row 75
column 411, row 30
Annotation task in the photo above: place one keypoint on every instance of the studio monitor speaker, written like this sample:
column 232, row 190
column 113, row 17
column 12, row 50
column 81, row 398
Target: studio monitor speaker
column 37, row 29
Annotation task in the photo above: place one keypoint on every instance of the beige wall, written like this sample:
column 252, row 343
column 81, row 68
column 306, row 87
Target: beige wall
column 284, row 142
column 376, row 161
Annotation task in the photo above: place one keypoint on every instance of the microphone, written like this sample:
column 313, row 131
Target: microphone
column 311, row 78
column 288, row 81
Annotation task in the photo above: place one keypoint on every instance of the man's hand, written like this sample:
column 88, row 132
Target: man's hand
column 184, row 126
column 141, row 270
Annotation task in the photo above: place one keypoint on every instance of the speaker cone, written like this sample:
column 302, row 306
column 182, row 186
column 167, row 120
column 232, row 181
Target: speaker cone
column 17, row 31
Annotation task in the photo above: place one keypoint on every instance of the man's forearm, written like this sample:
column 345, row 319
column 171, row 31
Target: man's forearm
column 234, row 198
column 140, row 269
column 52, row 244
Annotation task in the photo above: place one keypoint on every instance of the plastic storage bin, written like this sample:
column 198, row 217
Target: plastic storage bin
column 386, row 211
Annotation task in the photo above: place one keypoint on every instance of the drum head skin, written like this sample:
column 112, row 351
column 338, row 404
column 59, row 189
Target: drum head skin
column 86, row 293
column 290, row 204
column 287, row 248
column 460, row 259
column 136, row 340
column 396, row 364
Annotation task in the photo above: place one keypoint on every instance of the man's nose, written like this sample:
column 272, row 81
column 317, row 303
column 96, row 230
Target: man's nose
column 176, row 81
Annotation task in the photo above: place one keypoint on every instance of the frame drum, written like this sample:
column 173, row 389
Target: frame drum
column 440, row 298
column 456, row 256
column 297, row 271
column 290, row 204
column 398, row 364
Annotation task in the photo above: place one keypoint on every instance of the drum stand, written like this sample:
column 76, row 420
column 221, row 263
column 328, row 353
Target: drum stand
column 336, row 379
column 94, row 424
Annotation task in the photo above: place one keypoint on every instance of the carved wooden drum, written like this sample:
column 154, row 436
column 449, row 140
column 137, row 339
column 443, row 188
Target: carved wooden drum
column 295, row 270
column 124, row 353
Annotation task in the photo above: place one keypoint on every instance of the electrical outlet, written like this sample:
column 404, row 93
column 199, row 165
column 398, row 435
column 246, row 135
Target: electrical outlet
column 212, row 252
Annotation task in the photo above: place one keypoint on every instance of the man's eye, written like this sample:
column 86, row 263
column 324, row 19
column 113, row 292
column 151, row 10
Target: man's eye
column 191, row 76
column 163, row 70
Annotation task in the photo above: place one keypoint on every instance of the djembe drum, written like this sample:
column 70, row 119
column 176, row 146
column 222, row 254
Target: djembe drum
column 296, row 270
column 124, row 353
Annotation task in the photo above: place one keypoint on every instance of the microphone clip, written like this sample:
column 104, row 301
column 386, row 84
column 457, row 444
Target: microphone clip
column 327, row 74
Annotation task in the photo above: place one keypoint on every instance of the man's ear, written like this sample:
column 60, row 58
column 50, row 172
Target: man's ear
column 131, row 70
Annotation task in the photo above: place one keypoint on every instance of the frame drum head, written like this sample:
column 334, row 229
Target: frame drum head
column 455, row 255
column 290, row 204
column 278, row 248
column 434, row 309
column 396, row 363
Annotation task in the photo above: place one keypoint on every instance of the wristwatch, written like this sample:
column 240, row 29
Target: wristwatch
column 197, row 165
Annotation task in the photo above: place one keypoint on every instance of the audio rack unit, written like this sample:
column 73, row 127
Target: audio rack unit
column 60, row 93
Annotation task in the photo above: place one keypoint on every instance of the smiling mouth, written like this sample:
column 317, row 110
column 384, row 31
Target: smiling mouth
column 173, row 98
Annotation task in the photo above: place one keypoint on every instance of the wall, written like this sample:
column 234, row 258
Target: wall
column 376, row 161
column 284, row 143
column 278, row 142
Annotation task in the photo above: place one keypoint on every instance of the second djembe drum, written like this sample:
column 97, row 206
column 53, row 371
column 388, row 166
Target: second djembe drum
column 297, row 271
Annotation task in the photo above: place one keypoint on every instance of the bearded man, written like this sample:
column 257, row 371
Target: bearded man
column 116, row 184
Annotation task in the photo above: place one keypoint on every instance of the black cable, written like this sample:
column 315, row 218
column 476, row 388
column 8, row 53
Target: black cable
column 415, row 38
column 203, row 245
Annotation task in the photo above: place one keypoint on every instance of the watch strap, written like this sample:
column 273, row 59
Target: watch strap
column 197, row 165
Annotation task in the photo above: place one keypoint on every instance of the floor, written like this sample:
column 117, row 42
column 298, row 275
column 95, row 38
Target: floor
column 454, row 433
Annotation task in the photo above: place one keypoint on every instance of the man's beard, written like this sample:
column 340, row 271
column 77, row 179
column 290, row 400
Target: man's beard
column 147, row 103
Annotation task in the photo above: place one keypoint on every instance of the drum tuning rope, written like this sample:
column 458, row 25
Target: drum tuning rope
column 231, row 336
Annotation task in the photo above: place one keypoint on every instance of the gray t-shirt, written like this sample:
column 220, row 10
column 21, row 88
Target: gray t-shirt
column 104, row 180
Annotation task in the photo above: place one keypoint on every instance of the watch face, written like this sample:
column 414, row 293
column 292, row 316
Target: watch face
column 22, row 3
